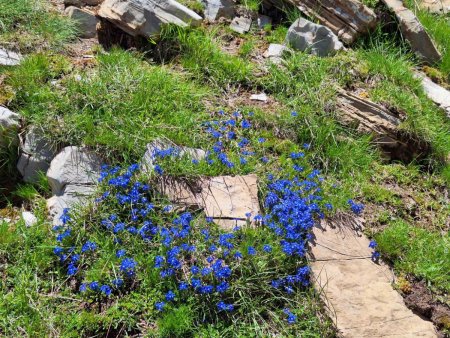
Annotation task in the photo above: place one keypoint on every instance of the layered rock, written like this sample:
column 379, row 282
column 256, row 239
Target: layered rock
column 319, row 40
column 414, row 32
column 215, row 9
column 87, row 21
column 145, row 17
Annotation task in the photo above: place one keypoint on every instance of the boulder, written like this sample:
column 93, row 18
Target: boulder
column 9, row 126
column 72, row 175
column 414, row 32
column 145, row 17
column 87, row 21
column 36, row 155
column 305, row 35
column 73, row 166
column 215, row 9
column 9, row 58
column 227, row 199
column 241, row 24
column 148, row 160
column 371, row 118
column 348, row 19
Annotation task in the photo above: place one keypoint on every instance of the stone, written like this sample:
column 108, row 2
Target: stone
column 263, row 20
column 436, row 6
column 215, row 9
column 348, row 19
column 152, row 148
column 227, row 199
column 370, row 118
column 9, row 58
column 436, row 93
column 305, row 35
column 9, row 126
column 413, row 31
column 275, row 50
column 357, row 292
column 87, row 21
column 145, row 17
column 259, row 97
column 241, row 24
column 73, row 166
column 29, row 218
column 36, row 155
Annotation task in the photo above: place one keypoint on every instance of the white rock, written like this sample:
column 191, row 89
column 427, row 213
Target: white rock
column 215, row 9
column 241, row 24
column 73, row 166
column 9, row 58
column 305, row 35
column 86, row 20
column 9, row 125
column 275, row 50
column 436, row 93
column 29, row 218
column 145, row 17
column 259, row 97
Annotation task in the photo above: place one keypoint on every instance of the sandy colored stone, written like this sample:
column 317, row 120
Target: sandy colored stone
column 358, row 293
column 9, row 58
column 436, row 93
column 227, row 199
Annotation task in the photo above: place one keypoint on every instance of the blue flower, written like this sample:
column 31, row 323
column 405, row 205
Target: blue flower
column 356, row 208
column 222, row 287
column 160, row 306
column 251, row 251
column 83, row 287
column 93, row 286
column 127, row 266
column 170, row 296
column 267, row 248
column 183, row 286
column 373, row 244
column 294, row 113
column 159, row 261
column 222, row 306
column 261, row 140
column 71, row 269
column 158, row 169
column 88, row 246
column 375, row 256
column 120, row 253
column 105, row 289
column 118, row 282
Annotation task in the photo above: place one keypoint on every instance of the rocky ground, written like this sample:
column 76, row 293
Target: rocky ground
column 297, row 152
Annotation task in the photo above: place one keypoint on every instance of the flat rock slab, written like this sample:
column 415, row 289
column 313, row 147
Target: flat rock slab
column 436, row 93
column 358, row 292
column 414, row 32
column 227, row 199
column 9, row 58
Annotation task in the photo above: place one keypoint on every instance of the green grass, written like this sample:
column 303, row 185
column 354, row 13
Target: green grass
column 32, row 25
column 119, row 106
column 418, row 252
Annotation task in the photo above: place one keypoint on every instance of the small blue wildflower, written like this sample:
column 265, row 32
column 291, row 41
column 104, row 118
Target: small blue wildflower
column 251, row 251
column 93, row 286
column 83, row 287
column 160, row 306
column 373, row 244
column 170, row 296
column 106, row 289
column 267, row 248
column 120, row 253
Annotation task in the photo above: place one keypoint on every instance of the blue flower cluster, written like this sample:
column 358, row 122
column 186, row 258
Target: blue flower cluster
column 375, row 254
column 192, row 256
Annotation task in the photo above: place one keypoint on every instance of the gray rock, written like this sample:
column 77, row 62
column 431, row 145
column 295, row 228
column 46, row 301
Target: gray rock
column 29, row 218
column 263, row 21
column 305, row 35
column 73, row 166
column 36, row 155
column 9, row 58
column 436, row 93
column 9, row 125
column 414, row 32
column 86, row 20
column 259, row 97
column 275, row 52
column 72, row 175
column 215, row 9
column 148, row 160
column 241, row 24
column 145, row 17
column 79, row 3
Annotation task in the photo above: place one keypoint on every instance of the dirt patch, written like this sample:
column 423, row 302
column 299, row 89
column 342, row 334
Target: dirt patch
column 421, row 301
